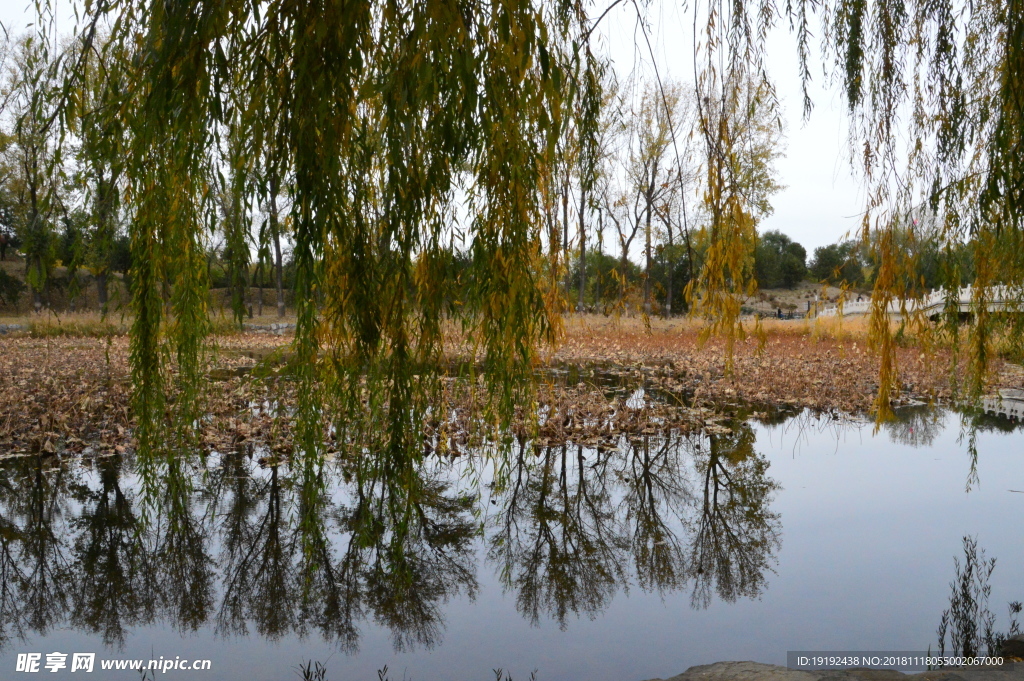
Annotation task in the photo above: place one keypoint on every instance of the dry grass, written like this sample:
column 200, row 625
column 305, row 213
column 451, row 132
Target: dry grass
column 78, row 324
column 833, row 328
column 825, row 366
column 58, row 390
column 68, row 378
column 89, row 324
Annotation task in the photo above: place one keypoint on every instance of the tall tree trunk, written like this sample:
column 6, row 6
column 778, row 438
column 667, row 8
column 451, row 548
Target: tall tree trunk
column 551, row 215
column 101, row 291
column 670, row 254
column 278, row 263
column 37, row 291
column 685, row 226
column 32, row 254
column 623, row 265
column 47, row 292
column 647, row 264
column 279, row 275
column 103, row 237
column 649, row 199
column 248, row 290
column 565, row 238
column 259, row 273
column 166, row 293
column 583, row 249
column 600, row 252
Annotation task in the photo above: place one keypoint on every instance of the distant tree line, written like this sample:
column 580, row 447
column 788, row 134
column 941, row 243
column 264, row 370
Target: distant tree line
column 62, row 208
column 930, row 263
column 622, row 188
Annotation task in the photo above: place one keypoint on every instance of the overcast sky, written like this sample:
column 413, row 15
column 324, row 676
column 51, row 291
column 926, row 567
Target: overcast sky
column 821, row 201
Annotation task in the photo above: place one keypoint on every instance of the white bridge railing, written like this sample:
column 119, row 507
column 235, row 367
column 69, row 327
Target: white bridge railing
column 1009, row 404
column 996, row 299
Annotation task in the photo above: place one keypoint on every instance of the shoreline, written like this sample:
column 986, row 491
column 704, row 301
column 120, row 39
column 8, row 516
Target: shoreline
column 72, row 392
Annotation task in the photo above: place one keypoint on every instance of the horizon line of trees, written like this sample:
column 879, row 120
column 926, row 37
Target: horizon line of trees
column 609, row 280
column 64, row 198
column 629, row 182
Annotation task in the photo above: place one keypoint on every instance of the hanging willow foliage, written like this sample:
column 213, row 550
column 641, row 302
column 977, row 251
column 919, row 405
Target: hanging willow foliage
column 740, row 130
column 935, row 91
column 398, row 128
column 954, row 74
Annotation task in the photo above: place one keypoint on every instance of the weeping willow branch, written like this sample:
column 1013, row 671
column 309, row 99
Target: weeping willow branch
column 398, row 124
column 936, row 101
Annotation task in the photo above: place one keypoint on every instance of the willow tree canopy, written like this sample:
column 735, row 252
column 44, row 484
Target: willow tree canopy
column 405, row 125
column 935, row 95
column 402, row 127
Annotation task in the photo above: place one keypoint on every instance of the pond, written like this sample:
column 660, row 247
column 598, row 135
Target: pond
column 765, row 535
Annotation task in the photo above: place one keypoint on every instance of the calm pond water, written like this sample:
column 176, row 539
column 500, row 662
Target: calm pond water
column 618, row 565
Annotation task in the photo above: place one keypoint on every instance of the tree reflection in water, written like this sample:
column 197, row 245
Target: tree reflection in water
column 34, row 552
column 181, row 543
column 257, row 553
column 107, row 553
column 667, row 511
column 656, row 493
column 414, row 544
column 737, row 533
column 556, row 540
column 916, row 426
column 296, row 560
column 920, row 425
column 304, row 548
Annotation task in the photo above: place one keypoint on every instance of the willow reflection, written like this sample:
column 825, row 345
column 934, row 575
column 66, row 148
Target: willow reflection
column 108, row 552
column 36, row 501
column 556, row 539
column 229, row 544
column 414, row 541
column 736, row 533
column 657, row 496
column 257, row 553
column 280, row 548
column 182, row 533
column 573, row 526
column 916, row 426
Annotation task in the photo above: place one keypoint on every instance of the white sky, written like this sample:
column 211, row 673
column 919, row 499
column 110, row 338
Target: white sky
column 821, row 201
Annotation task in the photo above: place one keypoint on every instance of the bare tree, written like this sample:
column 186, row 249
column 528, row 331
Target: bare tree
column 640, row 192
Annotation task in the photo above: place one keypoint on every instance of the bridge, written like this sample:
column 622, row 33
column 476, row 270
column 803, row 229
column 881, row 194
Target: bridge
column 998, row 299
column 1008, row 404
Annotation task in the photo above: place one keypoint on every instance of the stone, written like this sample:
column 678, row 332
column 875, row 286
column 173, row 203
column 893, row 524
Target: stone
column 1013, row 647
column 742, row 671
column 756, row 671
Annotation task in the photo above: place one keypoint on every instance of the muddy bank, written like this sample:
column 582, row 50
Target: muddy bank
column 72, row 393
column 791, row 366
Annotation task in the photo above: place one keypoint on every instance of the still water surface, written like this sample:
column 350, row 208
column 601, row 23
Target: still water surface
column 618, row 565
